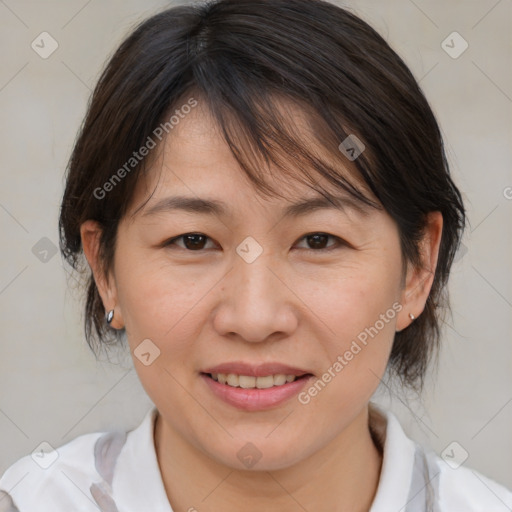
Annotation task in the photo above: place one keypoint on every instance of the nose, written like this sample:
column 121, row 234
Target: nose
column 256, row 302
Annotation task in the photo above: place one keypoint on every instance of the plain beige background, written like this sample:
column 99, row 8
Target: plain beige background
column 52, row 388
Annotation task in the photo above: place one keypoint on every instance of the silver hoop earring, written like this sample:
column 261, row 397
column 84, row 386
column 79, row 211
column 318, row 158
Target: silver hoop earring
column 110, row 316
column 411, row 316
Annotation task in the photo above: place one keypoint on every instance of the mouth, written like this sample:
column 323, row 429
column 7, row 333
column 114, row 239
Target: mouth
column 251, row 382
column 255, row 388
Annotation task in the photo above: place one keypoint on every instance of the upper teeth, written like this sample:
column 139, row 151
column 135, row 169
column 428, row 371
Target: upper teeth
column 247, row 381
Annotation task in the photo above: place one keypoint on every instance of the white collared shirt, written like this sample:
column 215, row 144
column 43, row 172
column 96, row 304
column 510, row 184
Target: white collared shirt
column 119, row 472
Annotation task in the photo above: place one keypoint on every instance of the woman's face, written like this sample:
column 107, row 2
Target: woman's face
column 251, row 289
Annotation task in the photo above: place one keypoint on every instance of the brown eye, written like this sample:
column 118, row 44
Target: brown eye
column 191, row 241
column 319, row 241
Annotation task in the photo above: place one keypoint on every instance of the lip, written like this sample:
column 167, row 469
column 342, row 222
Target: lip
column 256, row 399
column 258, row 370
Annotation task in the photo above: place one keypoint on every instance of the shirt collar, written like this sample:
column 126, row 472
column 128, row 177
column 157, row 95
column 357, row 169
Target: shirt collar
column 397, row 464
column 138, row 485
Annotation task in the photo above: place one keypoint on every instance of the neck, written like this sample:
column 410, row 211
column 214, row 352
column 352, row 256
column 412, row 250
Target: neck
column 343, row 476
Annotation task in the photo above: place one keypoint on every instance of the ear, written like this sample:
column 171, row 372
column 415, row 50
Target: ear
column 90, row 232
column 419, row 279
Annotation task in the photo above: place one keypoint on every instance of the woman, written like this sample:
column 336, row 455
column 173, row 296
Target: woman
column 261, row 193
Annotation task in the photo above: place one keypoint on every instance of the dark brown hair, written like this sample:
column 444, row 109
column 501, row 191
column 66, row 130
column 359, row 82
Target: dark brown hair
column 242, row 58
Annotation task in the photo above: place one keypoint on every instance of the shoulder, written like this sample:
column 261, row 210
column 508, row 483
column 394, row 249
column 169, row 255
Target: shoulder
column 414, row 477
column 462, row 488
column 62, row 476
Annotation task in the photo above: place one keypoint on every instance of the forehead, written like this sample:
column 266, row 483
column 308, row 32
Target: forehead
column 196, row 171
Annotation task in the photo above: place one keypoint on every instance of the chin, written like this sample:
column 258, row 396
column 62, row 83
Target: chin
column 258, row 453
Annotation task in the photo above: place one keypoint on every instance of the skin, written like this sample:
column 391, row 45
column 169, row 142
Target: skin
column 299, row 307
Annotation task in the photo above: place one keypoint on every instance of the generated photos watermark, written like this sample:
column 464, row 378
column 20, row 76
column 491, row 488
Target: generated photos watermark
column 355, row 348
column 144, row 150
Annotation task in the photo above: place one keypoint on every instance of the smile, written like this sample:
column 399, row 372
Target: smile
column 251, row 382
column 255, row 392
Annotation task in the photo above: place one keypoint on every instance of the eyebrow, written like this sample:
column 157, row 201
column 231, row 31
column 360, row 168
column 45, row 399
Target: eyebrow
column 218, row 208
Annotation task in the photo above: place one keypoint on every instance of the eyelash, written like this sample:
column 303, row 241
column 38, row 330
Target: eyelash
column 339, row 242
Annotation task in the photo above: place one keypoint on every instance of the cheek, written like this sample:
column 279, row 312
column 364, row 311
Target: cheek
column 163, row 303
column 358, row 310
column 353, row 298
